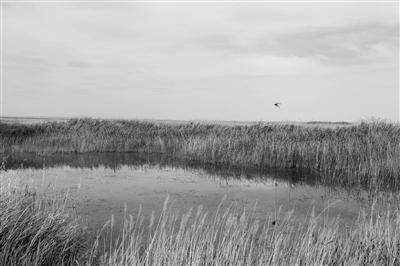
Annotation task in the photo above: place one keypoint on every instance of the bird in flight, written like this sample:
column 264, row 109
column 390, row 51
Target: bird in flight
column 277, row 105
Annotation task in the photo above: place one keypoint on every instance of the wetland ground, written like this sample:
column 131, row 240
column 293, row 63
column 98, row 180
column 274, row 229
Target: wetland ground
column 270, row 193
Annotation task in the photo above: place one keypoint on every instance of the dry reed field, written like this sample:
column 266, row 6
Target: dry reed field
column 366, row 154
column 233, row 237
column 37, row 230
column 42, row 231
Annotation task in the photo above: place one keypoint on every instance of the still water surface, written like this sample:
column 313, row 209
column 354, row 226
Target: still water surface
column 101, row 184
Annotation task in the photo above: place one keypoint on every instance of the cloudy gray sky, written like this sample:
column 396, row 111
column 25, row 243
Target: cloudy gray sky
column 217, row 61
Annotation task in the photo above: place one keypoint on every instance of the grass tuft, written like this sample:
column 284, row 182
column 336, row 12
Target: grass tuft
column 37, row 230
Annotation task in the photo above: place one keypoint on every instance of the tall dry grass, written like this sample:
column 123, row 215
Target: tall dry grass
column 230, row 237
column 366, row 154
column 37, row 230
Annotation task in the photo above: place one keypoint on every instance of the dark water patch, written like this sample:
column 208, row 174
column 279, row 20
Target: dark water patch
column 101, row 184
column 115, row 161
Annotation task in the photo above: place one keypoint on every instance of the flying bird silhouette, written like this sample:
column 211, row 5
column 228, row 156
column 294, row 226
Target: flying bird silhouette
column 277, row 105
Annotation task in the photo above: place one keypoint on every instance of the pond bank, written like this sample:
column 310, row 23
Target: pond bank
column 367, row 154
column 37, row 230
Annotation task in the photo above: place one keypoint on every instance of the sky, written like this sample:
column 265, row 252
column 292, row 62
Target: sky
column 323, row 61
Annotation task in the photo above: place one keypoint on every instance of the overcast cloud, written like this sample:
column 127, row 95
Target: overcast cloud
column 229, row 61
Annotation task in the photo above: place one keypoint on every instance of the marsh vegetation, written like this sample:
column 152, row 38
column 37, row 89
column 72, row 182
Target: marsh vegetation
column 37, row 230
column 42, row 231
column 366, row 154
column 41, row 228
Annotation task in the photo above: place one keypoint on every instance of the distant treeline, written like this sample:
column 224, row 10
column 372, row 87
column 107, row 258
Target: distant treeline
column 366, row 154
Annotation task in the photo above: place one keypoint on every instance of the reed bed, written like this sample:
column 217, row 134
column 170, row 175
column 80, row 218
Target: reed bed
column 366, row 154
column 37, row 230
column 232, row 237
column 40, row 231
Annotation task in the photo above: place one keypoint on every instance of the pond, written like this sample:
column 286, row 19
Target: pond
column 101, row 184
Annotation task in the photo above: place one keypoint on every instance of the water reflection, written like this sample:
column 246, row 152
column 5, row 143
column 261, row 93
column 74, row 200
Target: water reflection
column 115, row 161
column 103, row 182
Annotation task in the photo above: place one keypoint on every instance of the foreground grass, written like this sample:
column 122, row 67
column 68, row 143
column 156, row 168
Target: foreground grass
column 37, row 230
column 40, row 231
column 366, row 154
column 235, row 238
